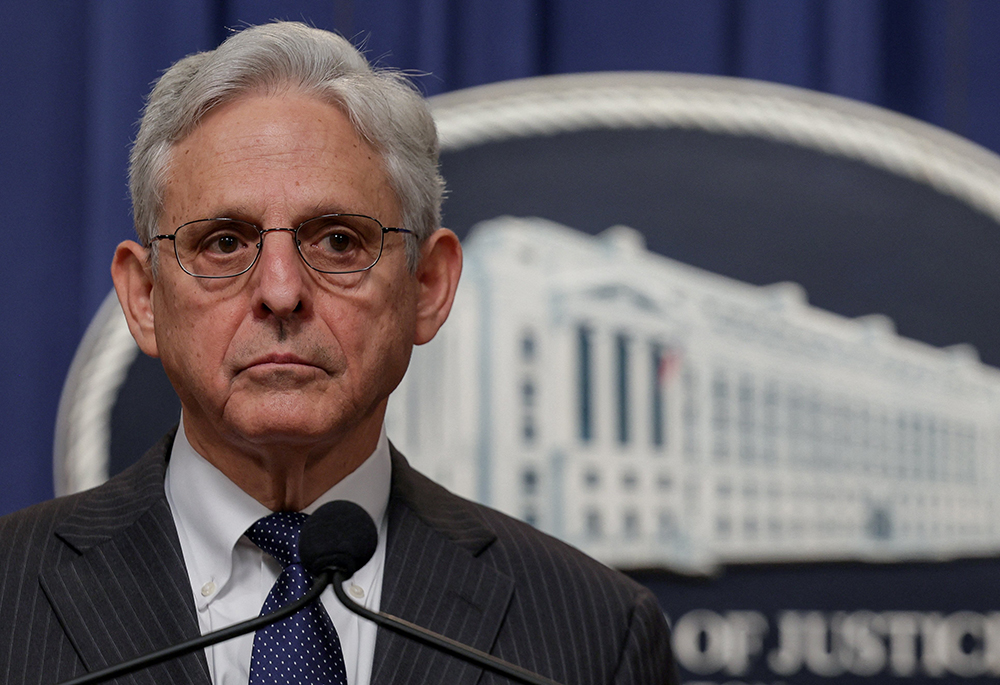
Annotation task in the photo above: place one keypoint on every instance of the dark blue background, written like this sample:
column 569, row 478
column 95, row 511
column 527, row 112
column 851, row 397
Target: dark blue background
column 74, row 74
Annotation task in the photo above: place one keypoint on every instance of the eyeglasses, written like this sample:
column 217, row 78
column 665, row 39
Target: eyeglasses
column 330, row 244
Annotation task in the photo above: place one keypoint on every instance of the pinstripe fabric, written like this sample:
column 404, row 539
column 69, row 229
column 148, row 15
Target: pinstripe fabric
column 93, row 579
column 96, row 578
column 499, row 585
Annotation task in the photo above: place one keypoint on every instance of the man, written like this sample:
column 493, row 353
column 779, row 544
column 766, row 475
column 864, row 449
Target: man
column 287, row 201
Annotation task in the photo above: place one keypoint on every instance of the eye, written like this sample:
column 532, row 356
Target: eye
column 340, row 243
column 336, row 236
column 338, row 240
column 225, row 238
column 226, row 244
column 215, row 239
column 215, row 248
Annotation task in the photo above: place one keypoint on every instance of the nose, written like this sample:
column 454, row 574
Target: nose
column 282, row 284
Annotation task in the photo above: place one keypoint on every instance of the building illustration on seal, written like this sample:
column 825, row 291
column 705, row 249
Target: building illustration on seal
column 657, row 415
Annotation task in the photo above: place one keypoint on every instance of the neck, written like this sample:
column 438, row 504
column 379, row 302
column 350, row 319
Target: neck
column 287, row 475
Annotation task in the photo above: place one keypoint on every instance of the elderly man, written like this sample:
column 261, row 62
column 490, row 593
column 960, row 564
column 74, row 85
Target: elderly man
column 287, row 198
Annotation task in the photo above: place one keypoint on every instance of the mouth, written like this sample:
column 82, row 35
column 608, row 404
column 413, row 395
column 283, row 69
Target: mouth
column 276, row 361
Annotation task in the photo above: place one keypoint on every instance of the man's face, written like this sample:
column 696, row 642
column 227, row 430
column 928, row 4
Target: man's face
column 282, row 354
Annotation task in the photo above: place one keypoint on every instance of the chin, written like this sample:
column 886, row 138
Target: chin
column 282, row 420
column 267, row 423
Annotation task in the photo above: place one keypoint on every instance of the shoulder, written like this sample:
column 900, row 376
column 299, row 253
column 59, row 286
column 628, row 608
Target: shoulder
column 511, row 544
column 32, row 528
column 84, row 516
column 580, row 620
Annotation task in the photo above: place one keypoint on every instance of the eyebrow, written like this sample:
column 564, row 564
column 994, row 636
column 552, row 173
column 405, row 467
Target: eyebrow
column 244, row 213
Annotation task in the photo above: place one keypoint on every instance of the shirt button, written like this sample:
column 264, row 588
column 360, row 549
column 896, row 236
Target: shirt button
column 356, row 591
column 208, row 589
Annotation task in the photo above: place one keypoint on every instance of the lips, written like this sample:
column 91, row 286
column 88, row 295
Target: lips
column 280, row 358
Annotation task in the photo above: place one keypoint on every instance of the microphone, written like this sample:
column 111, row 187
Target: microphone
column 338, row 539
column 339, row 536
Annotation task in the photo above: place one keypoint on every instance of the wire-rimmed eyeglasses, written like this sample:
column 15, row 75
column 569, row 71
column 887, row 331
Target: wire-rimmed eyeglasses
column 330, row 244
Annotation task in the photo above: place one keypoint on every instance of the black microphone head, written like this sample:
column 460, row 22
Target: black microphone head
column 339, row 535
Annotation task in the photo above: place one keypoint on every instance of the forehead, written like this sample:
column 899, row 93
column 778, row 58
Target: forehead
column 277, row 157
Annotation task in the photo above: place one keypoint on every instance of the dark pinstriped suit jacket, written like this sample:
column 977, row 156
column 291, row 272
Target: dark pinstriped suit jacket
column 96, row 578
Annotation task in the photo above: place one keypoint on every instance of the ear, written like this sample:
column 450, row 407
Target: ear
column 437, row 280
column 133, row 278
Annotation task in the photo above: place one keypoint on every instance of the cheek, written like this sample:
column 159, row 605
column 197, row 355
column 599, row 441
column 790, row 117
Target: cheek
column 400, row 307
column 400, row 330
column 378, row 331
column 195, row 335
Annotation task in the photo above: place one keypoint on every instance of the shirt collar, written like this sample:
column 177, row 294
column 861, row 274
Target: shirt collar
column 211, row 512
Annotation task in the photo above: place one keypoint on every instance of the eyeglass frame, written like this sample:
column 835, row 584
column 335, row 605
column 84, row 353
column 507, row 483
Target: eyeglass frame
column 295, row 235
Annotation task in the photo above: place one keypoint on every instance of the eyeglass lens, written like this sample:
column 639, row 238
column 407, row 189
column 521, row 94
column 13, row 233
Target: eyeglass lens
column 225, row 247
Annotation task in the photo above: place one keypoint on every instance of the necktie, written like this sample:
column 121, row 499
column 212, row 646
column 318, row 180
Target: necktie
column 304, row 648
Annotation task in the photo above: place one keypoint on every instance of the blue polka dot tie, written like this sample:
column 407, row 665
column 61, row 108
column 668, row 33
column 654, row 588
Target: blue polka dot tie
column 303, row 648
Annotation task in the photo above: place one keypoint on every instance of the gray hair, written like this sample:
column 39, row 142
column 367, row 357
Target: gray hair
column 383, row 106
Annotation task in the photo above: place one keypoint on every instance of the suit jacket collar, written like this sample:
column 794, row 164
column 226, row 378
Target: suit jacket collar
column 436, row 577
column 124, row 591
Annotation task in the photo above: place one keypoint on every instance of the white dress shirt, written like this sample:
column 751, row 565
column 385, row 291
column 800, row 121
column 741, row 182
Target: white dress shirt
column 231, row 577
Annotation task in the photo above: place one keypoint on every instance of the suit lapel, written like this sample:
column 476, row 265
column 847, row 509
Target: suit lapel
column 123, row 590
column 435, row 578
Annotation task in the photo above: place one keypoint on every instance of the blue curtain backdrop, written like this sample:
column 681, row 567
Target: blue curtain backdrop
column 74, row 74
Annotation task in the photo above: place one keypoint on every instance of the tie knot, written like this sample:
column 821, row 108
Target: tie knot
column 278, row 535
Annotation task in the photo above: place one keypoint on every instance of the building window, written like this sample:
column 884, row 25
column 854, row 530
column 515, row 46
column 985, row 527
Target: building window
column 769, row 451
column 585, row 380
column 528, row 403
column 528, row 346
column 969, row 452
column 528, row 393
column 622, row 344
column 530, row 517
column 796, row 424
column 879, row 524
column 658, row 377
column 932, row 454
column 884, row 441
column 690, row 411
column 528, row 429
column 630, row 480
column 593, row 523
column 529, row 481
column 747, row 424
column 917, row 431
column 720, row 416
column 902, row 444
column 630, row 524
column 592, row 478
column 815, row 412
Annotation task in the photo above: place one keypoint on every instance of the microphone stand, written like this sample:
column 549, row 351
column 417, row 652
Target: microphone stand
column 322, row 579
column 446, row 644
column 319, row 584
